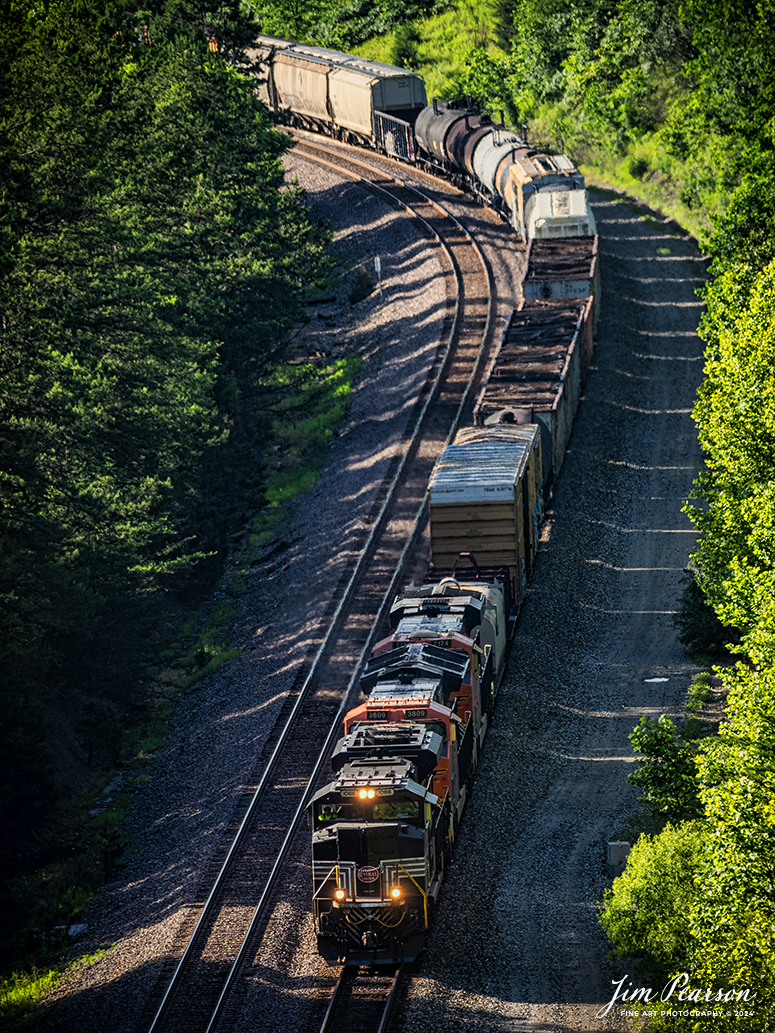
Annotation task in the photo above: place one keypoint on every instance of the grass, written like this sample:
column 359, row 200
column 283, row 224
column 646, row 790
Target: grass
column 20, row 991
column 316, row 401
column 698, row 692
column 445, row 43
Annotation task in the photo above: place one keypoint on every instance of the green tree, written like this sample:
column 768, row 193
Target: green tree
column 151, row 260
column 735, row 416
column 734, row 69
column 629, row 71
column 487, row 80
column 731, row 909
column 666, row 775
column 648, row 909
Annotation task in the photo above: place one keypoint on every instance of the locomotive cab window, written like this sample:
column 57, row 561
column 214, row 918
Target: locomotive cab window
column 395, row 809
column 330, row 812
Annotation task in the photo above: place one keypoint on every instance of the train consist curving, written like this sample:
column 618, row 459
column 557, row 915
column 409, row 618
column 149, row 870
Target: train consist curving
column 383, row 829
column 383, row 107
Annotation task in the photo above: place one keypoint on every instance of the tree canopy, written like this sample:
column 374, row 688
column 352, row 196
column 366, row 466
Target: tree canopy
column 151, row 260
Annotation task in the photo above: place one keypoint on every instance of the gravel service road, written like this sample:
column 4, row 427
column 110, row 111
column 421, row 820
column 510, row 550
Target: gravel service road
column 515, row 944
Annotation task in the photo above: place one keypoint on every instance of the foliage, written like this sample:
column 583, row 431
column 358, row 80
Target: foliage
column 647, row 910
column 735, row 416
column 151, row 260
column 700, row 631
column 733, row 69
column 700, row 896
column 732, row 909
column 666, row 775
column 619, row 58
column 487, row 80
column 404, row 52
column 737, row 776
column 341, row 24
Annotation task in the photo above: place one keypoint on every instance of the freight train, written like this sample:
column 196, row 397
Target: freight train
column 383, row 107
column 383, row 829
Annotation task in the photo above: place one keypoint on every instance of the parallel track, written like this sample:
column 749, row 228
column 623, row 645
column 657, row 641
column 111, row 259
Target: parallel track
column 208, row 956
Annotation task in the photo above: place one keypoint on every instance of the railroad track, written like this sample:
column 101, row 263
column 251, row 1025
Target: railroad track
column 363, row 1000
column 222, row 933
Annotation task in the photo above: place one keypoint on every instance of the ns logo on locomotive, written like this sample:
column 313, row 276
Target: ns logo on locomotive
column 383, row 829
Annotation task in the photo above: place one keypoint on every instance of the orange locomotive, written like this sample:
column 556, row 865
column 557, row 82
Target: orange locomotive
column 383, row 829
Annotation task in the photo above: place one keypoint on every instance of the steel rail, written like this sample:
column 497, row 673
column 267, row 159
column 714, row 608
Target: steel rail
column 332, row 1003
column 386, row 601
column 365, row 555
column 329, row 1020
column 391, row 997
column 446, row 214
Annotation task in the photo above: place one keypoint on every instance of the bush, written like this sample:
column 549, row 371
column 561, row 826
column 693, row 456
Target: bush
column 700, row 631
column 404, row 51
column 667, row 774
column 647, row 909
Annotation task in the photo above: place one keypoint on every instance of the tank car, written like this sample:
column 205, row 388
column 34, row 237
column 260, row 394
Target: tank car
column 541, row 195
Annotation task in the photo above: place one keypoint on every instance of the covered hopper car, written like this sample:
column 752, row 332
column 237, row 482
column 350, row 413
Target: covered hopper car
column 384, row 107
column 351, row 98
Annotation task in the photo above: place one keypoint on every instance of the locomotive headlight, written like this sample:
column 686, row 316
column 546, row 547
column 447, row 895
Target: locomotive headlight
column 370, row 794
column 366, row 794
column 339, row 893
column 395, row 893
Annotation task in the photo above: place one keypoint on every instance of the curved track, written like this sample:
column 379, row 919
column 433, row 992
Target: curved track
column 208, row 956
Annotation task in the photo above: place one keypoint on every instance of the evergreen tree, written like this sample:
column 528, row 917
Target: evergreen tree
column 151, row 261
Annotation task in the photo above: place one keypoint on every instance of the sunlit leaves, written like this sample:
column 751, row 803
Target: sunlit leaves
column 735, row 416
column 666, row 775
column 648, row 909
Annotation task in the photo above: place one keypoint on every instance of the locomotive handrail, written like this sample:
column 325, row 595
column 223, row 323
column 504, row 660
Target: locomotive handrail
column 320, row 888
column 419, row 887
column 441, row 809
